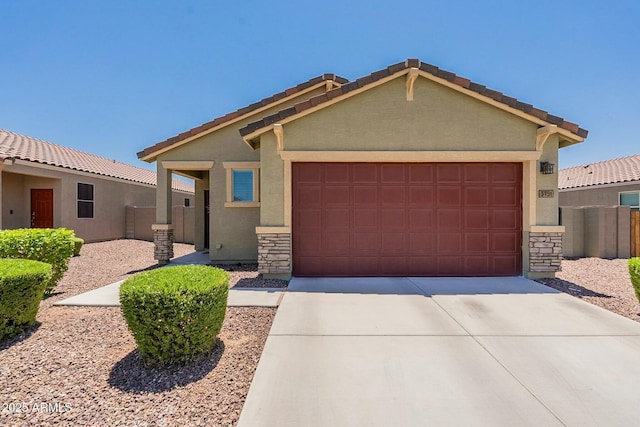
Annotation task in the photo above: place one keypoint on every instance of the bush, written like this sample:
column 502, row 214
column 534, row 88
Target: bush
column 634, row 272
column 51, row 245
column 175, row 313
column 77, row 245
column 22, row 284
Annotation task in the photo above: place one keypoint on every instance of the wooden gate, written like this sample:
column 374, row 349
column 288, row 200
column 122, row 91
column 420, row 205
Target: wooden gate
column 635, row 233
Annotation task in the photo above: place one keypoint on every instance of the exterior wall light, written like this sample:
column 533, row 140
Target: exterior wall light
column 546, row 168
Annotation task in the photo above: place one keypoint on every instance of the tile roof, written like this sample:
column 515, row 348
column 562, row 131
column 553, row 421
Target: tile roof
column 15, row 146
column 241, row 112
column 623, row 169
column 423, row 66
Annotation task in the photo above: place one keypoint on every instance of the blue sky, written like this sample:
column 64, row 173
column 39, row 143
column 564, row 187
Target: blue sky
column 113, row 77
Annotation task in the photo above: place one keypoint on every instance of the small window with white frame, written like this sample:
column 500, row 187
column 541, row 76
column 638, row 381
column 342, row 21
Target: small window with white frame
column 243, row 184
column 629, row 198
column 85, row 200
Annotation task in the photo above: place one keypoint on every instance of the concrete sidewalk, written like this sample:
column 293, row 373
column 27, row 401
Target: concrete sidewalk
column 109, row 296
column 422, row 351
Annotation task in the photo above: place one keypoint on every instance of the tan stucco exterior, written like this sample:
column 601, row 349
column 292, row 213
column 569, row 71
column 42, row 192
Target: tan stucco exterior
column 111, row 197
column 232, row 236
column 402, row 118
column 602, row 195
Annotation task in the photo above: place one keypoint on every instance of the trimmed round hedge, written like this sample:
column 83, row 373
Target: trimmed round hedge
column 77, row 245
column 634, row 273
column 175, row 313
column 22, row 285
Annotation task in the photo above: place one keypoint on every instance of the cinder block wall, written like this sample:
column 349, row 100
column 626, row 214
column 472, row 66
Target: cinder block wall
column 140, row 219
column 596, row 231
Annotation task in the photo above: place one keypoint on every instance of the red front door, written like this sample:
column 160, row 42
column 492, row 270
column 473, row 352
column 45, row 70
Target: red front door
column 41, row 208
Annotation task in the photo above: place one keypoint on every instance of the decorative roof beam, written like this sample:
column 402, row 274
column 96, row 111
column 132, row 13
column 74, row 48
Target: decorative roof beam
column 279, row 132
column 412, row 76
column 543, row 133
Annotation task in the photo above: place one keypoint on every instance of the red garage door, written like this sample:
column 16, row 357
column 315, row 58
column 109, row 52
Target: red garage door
column 407, row 219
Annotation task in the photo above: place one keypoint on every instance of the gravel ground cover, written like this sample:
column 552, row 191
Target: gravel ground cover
column 81, row 366
column 602, row 282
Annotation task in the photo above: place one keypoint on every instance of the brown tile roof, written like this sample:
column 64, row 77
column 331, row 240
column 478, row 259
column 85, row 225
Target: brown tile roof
column 241, row 112
column 15, row 146
column 435, row 71
column 623, row 169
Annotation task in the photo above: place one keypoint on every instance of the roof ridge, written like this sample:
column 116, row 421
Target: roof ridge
column 428, row 68
column 23, row 147
column 264, row 102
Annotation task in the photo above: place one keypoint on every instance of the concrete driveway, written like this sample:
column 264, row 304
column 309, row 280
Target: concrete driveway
column 439, row 351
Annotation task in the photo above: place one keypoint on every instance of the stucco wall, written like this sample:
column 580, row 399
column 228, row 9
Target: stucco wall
column 110, row 199
column 231, row 228
column 597, row 196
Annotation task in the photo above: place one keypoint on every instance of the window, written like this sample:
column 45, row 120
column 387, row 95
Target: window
column 187, row 202
column 630, row 198
column 242, row 184
column 85, row 200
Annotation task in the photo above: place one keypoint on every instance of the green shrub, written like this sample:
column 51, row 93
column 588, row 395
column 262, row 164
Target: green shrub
column 175, row 313
column 634, row 272
column 51, row 245
column 22, row 284
column 77, row 245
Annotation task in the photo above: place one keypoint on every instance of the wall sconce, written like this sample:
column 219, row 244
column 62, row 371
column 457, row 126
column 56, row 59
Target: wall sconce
column 546, row 168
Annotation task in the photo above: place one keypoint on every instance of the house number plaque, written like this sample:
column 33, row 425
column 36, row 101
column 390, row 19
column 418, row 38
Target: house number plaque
column 545, row 194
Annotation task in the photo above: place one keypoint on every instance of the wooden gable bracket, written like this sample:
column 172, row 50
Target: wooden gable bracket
column 279, row 132
column 412, row 76
column 329, row 85
column 543, row 133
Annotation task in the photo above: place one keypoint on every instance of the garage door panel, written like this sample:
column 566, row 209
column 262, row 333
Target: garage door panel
column 421, row 173
column 505, row 196
column 449, row 196
column 368, row 219
column 478, row 173
column 365, row 218
column 393, row 266
column 337, row 195
column 337, row 219
column 476, row 242
column 422, row 243
column 365, row 173
column 336, row 244
column 449, row 243
column 394, row 243
column 449, row 173
column 366, row 242
column 449, row 218
column 421, row 195
column 309, row 220
column 393, row 219
column 365, row 195
column 393, row 195
column 476, row 219
column 310, row 196
column 311, row 244
column 505, row 219
column 476, row 196
column 421, row 219
column 505, row 242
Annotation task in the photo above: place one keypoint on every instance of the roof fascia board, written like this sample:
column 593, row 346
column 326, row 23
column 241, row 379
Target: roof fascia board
column 152, row 157
column 53, row 168
column 597, row 186
column 571, row 137
column 247, row 138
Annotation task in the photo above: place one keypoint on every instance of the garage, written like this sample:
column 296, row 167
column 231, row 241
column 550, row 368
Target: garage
column 406, row 219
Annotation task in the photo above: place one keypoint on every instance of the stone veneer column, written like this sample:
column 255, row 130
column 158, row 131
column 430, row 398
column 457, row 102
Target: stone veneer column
column 545, row 251
column 274, row 250
column 163, row 242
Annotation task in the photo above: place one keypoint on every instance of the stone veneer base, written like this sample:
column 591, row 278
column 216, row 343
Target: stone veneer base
column 545, row 251
column 274, row 253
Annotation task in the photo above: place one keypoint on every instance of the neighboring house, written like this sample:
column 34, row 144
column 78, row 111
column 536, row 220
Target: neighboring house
column 47, row 185
column 613, row 182
column 409, row 171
